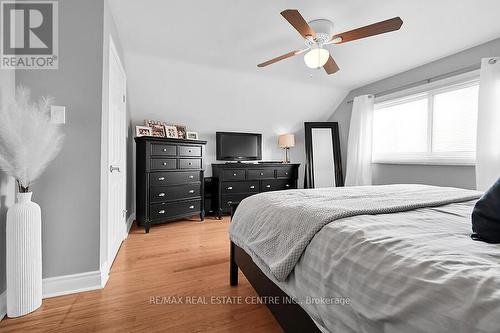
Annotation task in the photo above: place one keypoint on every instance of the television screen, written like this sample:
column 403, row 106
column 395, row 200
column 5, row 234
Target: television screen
column 238, row 146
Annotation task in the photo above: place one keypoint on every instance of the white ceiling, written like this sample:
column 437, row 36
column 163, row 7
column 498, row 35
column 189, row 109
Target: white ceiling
column 237, row 35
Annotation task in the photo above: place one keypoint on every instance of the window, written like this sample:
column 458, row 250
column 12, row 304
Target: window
column 436, row 126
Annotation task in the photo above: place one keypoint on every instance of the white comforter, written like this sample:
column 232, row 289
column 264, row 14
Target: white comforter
column 415, row 271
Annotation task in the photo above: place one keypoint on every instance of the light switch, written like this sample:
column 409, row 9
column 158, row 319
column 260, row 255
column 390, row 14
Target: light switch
column 58, row 114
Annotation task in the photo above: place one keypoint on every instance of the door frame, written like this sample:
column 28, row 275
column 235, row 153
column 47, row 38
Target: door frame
column 105, row 263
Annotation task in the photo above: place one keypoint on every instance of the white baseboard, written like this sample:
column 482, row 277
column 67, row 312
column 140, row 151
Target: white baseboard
column 73, row 283
column 130, row 222
column 104, row 277
column 3, row 305
column 70, row 284
column 106, row 267
column 62, row 285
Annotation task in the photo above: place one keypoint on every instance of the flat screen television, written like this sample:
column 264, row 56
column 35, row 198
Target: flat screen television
column 233, row 146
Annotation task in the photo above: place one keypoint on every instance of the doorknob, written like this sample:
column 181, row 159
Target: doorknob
column 113, row 168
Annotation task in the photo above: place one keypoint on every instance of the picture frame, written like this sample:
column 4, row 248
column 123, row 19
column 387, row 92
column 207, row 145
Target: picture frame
column 157, row 128
column 171, row 131
column 143, row 131
column 192, row 135
column 151, row 122
column 181, row 131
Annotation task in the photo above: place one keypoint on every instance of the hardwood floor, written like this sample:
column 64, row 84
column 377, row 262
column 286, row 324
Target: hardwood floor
column 181, row 259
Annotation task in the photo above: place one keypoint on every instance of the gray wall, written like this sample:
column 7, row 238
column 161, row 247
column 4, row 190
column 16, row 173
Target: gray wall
column 69, row 190
column 459, row 176
column 208, row 99
column 7, row 186
column 456, row 176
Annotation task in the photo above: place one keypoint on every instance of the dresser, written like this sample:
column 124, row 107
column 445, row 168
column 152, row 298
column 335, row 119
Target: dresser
column 169, row 179
column 236, row 181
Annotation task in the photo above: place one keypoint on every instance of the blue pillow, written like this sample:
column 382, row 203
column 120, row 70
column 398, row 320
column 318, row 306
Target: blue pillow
column 486, row 216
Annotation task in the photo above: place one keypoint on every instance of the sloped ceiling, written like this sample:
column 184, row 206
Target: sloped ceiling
column 194, row 62
column 238, row 34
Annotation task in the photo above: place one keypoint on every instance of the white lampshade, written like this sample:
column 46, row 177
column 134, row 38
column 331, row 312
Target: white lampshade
column 316, row 58
column 286, row 141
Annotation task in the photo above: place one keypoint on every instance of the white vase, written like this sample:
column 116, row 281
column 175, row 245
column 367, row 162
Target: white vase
column 24, row 256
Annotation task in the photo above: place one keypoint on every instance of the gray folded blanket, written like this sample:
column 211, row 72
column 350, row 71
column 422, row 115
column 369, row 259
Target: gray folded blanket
column 276, row 227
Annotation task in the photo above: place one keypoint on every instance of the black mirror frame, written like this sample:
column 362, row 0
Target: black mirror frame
column 309, row 172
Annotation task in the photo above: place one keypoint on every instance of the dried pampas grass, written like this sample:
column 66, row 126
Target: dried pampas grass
column 28, row 140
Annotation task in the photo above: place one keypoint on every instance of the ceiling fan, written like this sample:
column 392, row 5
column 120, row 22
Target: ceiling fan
column 319, row 33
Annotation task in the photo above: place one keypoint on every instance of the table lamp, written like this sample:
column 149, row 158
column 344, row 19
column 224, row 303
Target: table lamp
column 286, row 141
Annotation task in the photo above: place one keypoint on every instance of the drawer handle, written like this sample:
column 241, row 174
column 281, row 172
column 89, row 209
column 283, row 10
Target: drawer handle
column 190, row 163
column 161, row 212
column 234, row 174
column 161, row 178
column 268, row 186
column 190, row 151
column 191, row 207
column 262, row 174
column 286, row 173
column 164, row 163
column 191, row 177
column 252, row 187
column 230, row 188
column 165, row 150
column 161, row 194
column 191, row 191
column 287, row 185
column 229, row 202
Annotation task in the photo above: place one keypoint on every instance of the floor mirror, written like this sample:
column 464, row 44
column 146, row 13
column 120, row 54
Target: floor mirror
column 323, row 165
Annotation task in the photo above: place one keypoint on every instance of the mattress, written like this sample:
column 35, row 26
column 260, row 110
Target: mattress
column 414, row 271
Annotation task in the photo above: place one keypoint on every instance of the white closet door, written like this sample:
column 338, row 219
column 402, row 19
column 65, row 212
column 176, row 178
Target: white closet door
column 117, row 225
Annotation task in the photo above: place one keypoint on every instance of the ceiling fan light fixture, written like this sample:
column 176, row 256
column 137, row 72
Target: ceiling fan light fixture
column 316, row 58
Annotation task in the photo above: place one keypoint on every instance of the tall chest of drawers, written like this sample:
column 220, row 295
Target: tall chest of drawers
column 169, row 179
column 236, row 181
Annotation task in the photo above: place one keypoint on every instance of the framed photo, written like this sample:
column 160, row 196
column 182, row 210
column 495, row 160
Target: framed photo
column 181, row 131
column 143, row 131
column 192, row 135
column 157, row 128
column 171, row 131
column 151, row 122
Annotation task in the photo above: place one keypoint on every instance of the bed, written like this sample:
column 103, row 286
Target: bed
column 394, row 258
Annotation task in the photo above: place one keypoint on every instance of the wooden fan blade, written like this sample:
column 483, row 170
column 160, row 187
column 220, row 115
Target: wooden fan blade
column 331, row 66
column 281, row 57
column 297, row 21
column 369, row 30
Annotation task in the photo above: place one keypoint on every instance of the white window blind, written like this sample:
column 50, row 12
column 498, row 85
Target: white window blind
column 401, row 128
column 455, row 120
column 437, row 126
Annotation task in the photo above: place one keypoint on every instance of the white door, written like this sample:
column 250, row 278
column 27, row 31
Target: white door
column 117, row 142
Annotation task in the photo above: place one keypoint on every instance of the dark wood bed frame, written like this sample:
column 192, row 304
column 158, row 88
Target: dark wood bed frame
column 291, row 317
